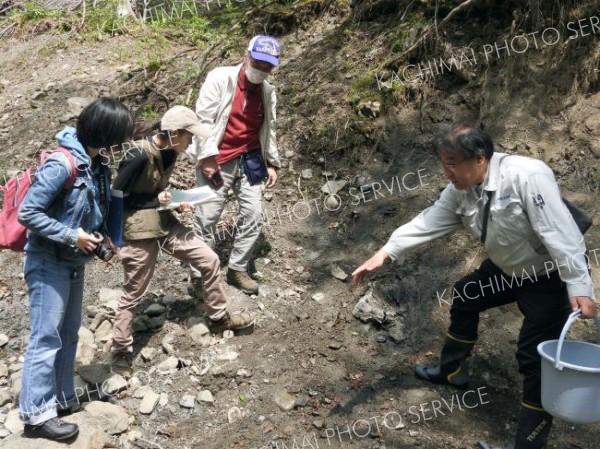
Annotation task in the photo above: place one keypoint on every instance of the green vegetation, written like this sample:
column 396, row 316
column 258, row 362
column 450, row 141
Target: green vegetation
column 406, row 31
column 149, row 113
column 33, row 12
column 364, row 89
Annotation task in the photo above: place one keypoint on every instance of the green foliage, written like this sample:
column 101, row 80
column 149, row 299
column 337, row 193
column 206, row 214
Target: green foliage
column 413, row 21
column 193, row 30
column 104, row 20
column 364, row 89
column 33, row 12
column 149, row 113
column 154, row 64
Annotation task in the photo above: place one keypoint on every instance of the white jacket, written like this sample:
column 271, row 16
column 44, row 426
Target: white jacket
column 214, row 105
column 530, row 230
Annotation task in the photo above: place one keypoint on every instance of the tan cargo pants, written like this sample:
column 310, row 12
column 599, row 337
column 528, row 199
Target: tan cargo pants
column 139, row 260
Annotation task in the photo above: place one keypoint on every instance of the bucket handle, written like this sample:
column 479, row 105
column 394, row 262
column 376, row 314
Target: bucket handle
column 572, row 317
column 576, row 314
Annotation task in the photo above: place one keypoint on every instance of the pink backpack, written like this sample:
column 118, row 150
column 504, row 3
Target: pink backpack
column 13, row 235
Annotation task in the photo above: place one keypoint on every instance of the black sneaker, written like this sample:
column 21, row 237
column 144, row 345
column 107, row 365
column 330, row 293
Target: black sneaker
column 53, row 429
column 62, row 412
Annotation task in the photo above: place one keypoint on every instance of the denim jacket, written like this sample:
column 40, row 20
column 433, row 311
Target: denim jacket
column 51, row 214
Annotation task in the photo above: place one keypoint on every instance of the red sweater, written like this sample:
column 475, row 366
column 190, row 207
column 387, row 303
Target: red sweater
column 245, row 120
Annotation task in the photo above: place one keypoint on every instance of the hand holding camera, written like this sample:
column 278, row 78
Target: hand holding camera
column 87, row 242
column 105, row 249
column 95, row 243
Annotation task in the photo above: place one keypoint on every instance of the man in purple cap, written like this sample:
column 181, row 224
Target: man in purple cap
column 241, row 153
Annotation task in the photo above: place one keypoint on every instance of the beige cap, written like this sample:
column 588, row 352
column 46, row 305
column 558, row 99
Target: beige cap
column 180, row 117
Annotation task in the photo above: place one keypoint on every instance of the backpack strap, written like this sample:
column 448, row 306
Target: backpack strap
column 70, row 159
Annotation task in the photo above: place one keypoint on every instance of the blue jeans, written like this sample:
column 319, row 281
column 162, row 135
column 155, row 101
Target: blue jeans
column 55, row 297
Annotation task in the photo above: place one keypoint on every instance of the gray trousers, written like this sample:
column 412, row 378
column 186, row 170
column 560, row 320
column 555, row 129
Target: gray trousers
column 249, row 219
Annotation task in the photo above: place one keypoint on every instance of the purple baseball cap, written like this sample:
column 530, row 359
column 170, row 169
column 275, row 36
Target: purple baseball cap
column 265, row 48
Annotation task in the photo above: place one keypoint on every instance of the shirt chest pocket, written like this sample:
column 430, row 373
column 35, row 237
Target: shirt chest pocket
column 469, row 217
column 509, row 223
column 80, row 194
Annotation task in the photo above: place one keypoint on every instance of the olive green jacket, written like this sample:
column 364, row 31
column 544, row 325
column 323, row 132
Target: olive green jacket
column 149, row 223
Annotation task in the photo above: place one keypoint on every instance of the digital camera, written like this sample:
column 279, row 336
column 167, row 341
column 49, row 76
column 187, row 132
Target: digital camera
column 103, row 250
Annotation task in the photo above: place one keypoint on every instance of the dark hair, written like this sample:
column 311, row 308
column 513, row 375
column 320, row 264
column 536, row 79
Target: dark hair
column 466, row 140
column 146, row 128
column 103, row 123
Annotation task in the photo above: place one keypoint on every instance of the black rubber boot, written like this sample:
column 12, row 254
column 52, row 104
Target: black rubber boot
column 532, row 430
column 453, row 368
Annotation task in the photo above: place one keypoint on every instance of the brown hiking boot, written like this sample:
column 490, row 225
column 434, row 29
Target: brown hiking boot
column 121, row 363
column 243, row 281
column 232, row 321
column 195, row 288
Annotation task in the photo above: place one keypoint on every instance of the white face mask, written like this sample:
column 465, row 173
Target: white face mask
column 255, row 76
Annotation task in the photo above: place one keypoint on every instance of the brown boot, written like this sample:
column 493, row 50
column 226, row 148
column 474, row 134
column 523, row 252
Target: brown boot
column 243, row 281
column 232, row 321
column 121, row 363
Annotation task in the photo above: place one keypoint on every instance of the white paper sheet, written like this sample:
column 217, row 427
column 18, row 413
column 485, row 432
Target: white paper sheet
column 191, row 196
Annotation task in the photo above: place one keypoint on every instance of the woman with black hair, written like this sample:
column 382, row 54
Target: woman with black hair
column 61, row 222
column 143, row 176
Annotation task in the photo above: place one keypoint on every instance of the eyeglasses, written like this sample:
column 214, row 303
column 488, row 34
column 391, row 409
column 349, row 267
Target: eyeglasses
column 452, row 165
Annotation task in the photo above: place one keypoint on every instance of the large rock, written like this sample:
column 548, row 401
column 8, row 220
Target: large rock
column 148, row 354
column 141, row 391
column 5, row 397
column 284, row 400
column 333, row 187
column 104, row 332
column 109, row 298
column 155, row 309
column 3, row 370
column 368, row 309
column 149, row 402
column 86, row 348
column 95, row 374
column 329, row 317
column 338, row 273
column 187, row 401
column 77, row 104
column 3, row 339
column 205, row 396
column 113, row 385
column 168, row 365
column 198, row 331
column 111, row 418
column 101, row 381
column 13, row 423
column 234, row 414
column 15, row 388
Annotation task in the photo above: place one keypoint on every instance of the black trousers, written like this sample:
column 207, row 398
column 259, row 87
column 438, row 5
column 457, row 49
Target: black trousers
column 542, row 299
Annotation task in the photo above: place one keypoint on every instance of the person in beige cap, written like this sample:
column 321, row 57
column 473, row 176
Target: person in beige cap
column 143, row 176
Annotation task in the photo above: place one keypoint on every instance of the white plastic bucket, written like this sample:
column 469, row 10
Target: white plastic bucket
column 571, row 377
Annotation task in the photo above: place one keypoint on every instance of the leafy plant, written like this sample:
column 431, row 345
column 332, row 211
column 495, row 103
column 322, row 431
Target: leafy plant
column 149, row 113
